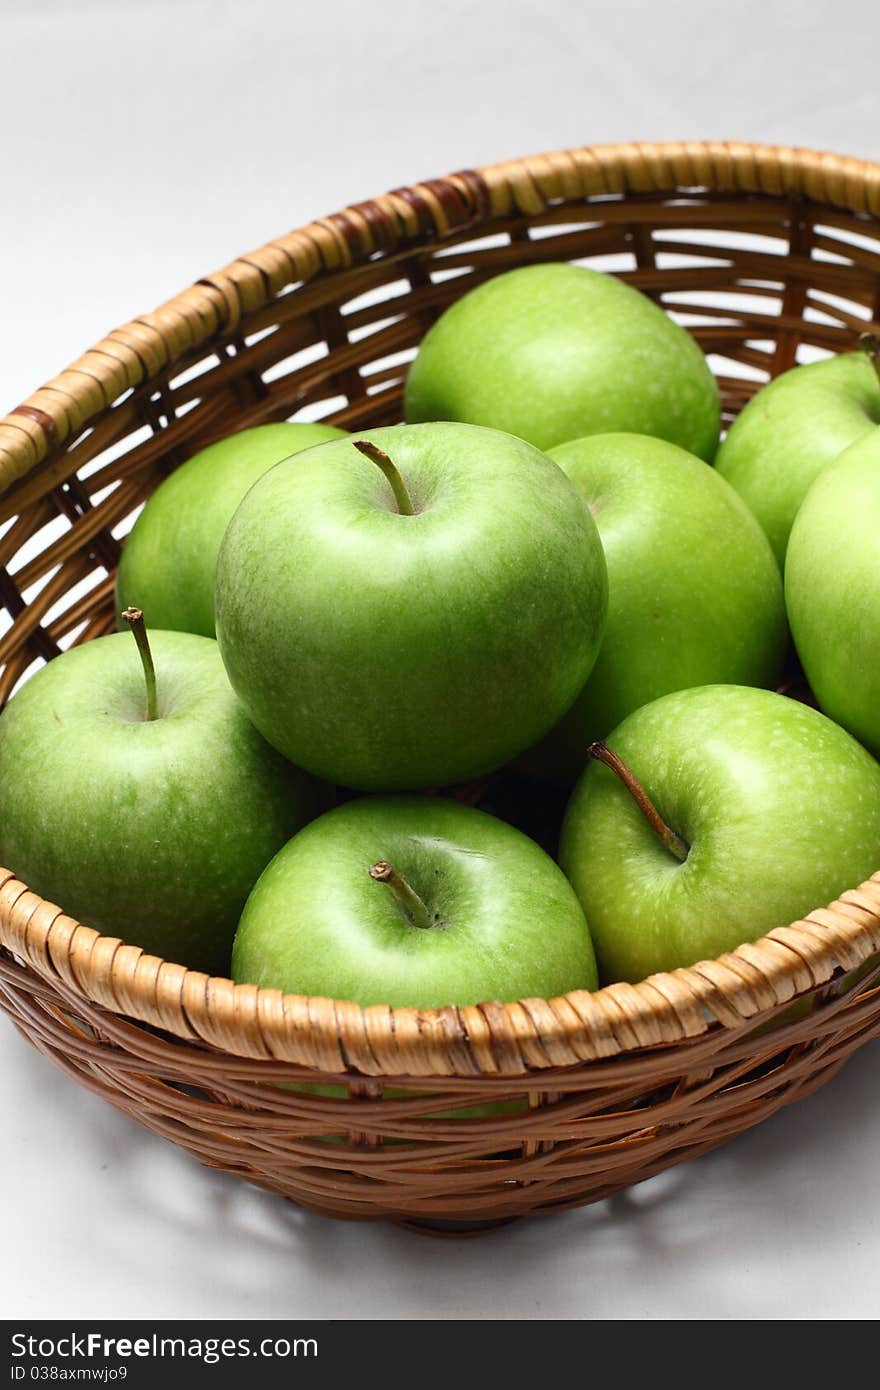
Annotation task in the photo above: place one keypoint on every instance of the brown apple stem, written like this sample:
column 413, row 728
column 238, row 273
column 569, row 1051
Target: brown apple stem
column 870, row 345
column 381, row 459
column 407, row 897
column 135, row 619
column 674, row 843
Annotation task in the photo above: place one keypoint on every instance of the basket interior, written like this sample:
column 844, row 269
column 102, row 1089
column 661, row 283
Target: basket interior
column 761, row 281
column 321, row 324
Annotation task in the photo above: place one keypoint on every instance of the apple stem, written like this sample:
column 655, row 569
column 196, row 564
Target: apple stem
column 135, row 619
column 381, row 459
column 870, row 345
column 407, row 897
column 674, row 843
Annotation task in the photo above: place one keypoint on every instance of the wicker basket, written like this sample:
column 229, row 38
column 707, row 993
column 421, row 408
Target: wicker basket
column 761, row 252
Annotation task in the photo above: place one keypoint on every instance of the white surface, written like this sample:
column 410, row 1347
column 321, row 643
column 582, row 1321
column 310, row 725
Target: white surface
column 101, row 1219
column 146, row 144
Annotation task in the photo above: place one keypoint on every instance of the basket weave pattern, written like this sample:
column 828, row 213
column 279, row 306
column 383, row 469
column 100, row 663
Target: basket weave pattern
column 764, row 254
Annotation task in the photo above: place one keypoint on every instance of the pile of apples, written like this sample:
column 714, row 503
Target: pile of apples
column 341, row 646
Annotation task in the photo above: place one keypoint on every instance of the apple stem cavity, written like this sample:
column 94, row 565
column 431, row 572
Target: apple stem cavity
column 381, row 459
column 407, row 898
column 135, row 619
column 870, row 345
column 674, row 843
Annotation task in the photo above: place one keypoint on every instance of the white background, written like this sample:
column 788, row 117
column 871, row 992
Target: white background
column 145, row 144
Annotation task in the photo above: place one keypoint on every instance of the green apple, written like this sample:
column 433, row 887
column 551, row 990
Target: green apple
column 694, row 593
column 169, row 560
column 832, row 589
column 554, row 352
column 410, row 618
column 744, row 811
column 791, row 430
column 414, row 902
column 147, row 811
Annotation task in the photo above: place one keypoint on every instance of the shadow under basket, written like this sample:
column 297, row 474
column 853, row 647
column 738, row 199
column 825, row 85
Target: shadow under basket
column 461, row 1118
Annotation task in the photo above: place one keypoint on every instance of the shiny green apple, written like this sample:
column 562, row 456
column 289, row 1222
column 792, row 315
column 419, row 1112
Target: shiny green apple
column 169, row 560
column 764, row 810
column 791, row 430
column 414, row 617
column 832, row 589
column 694, row 593
column 413, row 902
column 555, row 352
column 151, row 823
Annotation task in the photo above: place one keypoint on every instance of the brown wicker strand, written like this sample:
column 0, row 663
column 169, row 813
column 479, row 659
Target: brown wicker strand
column 592, row 1091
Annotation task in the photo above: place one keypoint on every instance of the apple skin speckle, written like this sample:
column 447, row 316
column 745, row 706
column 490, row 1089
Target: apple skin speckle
column 832, row 589
column 793, row 429
column 169, row 561
column 318, row 923
column 555, row 352
column 694, row 593
column 780, row 808
column 151, row 830
column 390, row 652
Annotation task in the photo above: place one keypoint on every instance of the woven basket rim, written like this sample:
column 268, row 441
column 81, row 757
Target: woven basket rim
column 34, row 431
column 334, row 1035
